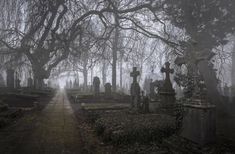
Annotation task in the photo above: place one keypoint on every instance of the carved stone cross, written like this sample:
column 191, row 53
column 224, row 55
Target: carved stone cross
column 135, row 74
column 167, row 70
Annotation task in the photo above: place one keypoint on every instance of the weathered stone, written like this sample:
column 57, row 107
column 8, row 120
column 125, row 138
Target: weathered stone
column 135, row 90
column 96, row 86
column 30, row 83
column 17, row 83
column 2, row 82
column 108, row 90
column 167, row 93
column 199, row 124
column 155, row 88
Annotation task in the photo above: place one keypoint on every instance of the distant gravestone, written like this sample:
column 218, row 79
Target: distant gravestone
column 135, row 90
column 10, row 78
column 108, row 89
column 30, row 82
column 2, row 82
column 96, row 85
column 17, row 83
column 76, row 84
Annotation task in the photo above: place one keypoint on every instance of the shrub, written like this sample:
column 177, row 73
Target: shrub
column 124, row 128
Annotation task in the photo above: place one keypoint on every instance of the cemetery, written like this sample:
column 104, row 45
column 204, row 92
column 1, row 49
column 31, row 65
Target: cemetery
column 117, row 77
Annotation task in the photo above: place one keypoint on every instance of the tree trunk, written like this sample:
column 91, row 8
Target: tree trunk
column 233, row 71
column 121, row 73
column 39, row 74
column 85, row 75
column 104, row 75
column 38, row 82
column 115, row 50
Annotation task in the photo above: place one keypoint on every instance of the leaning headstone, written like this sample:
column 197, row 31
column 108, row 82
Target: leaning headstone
column 96, row 85
column 10, row 78
column 108, row 89
column 199, row 122
column 135, row 90
column 167, row 93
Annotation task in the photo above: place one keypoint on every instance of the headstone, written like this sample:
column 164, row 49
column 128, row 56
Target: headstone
column 154, row 97
column 135, row 90
column 108, row 89
column 2, row 82
column 199, row 122
column 145, row 102
column 167, row 93
column 96, row 85
column 17, row 83
column 30, row 82
column 76, row 84
column 155, row 88
column 70, row 84
column 146, row 86
column 10, row 78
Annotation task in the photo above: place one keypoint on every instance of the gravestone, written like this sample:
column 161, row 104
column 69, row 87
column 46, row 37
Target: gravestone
column 135, row 90
column 155, row 88
column 167, row 93
column 154, row 101
column 76, row 84
column 2, row 82
column 144, row 103
column 10, row 78
column 30, row 82
column 17, row 83
column 199, row 122
column 70, row 84
column 108, row 89
column 96, row 85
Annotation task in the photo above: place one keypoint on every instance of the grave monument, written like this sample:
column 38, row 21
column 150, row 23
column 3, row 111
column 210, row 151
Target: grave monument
column 167, row 93
column 96, row 85
column 108, row 89
column 135, row 90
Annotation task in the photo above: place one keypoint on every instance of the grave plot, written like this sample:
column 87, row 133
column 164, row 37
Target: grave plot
column 172, row 126
column 8, row 115
column 14, row 103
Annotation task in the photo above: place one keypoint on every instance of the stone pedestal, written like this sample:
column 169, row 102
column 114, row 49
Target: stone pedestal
column 199, row 124
column 154, row 106
column 167, row 101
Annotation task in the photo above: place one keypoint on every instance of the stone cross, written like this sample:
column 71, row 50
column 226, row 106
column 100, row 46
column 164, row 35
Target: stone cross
column 135, row 74
column 167, row 70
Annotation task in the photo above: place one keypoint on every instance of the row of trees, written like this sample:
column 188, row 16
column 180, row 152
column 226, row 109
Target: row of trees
column 82, row 32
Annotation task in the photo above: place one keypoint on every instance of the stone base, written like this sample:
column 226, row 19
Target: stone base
column 154, row 106
column 169, row 109
column 199, row 123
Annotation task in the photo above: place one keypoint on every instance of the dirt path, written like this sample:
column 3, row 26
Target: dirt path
column 54, row 130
